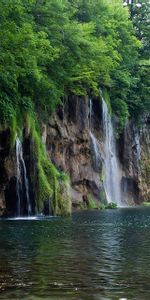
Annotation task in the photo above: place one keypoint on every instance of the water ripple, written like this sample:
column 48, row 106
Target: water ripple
column 91, row 256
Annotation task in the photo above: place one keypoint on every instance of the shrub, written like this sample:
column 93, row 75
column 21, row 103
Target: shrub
column 111, row 205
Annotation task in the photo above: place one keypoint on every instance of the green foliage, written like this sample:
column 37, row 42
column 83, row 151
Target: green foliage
column 146, row 204
column 107, row 100
column 102, row 198
column 91, row 203
column 101, row 206
column 102, row 175
column 63, row 200
column 44, row 189
column 54, row 48
column 111, row 205
column 120, row 108
column 51, row 183
column 141, row 21
column 139, row 95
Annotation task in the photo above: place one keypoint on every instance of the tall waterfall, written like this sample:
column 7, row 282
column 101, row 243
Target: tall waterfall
column 112, row 179
column 22, row 180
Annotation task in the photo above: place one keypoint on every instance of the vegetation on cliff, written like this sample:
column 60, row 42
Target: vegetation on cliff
column 51, row 49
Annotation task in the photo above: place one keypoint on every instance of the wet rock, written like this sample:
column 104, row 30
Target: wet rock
column 69, row 147
column 8, row 174
column 135, row 159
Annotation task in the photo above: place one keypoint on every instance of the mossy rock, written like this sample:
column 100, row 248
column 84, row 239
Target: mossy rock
column 111, row 205
column 63, row 200
column 91, row 202
column 146, row 203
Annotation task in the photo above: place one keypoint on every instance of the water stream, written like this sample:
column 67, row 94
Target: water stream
column 94, row 143
column 112, row 178
column 22, row 180
column 95, row 152
column 90, row 114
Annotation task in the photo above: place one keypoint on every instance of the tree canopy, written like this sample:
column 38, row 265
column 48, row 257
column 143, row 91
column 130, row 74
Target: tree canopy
column 55, row 48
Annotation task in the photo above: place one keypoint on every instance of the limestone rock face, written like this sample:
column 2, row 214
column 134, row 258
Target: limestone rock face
column 135, row 159
column 74, row 141
column 75, row 144
column 70, row 147
column 144, row 172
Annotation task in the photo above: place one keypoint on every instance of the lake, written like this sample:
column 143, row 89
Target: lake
column 96, row 255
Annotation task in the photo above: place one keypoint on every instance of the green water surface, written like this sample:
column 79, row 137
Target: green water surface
column 99, row 255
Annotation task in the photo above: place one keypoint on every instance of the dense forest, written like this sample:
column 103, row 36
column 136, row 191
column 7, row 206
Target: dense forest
column 51, row 49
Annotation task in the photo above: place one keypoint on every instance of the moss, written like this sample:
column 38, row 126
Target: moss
column 63, row 200
column 101, row 206
column 102, row 174
column 147, row 170
column 15, row 130
column 44, row 189
column 102, row 196
column 107, row 100
column 111, row 205
column 50, row 182
column 146, row 203
column 30, row 124
column 81, row 206
column 91, row 203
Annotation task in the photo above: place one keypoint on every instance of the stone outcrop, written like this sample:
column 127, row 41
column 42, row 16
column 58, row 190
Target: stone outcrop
column 70, row 147
column 135, row 160
column 71, row 135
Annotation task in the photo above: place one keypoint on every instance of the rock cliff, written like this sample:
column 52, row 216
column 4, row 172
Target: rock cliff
column 71, row 146
column 74, row 141
column 135, row 158
column 8, row 174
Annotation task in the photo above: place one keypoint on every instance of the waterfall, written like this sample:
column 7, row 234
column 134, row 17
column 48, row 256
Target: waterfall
column 90, row 114
column 96, row 153
column 18, row 183
column 22, row 180
column 138, row 145
column 94, row 143
column 112, row 174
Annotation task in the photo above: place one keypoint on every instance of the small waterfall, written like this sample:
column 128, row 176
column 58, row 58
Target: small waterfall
column 138, row 145
column 22, row 180
column 112, row 180
column 96, row 153
column 94, row 143
column 90, row 114
column 18, row 183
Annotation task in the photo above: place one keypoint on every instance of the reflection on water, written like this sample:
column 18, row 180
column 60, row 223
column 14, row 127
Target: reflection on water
column 90, row 256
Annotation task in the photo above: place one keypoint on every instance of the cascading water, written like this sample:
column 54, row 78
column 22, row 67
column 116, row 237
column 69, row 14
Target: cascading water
column 94, row 143
column 96, row 154
column 21, row 179
column 112, row 174
column 18, row 183
column 138, row 145
column 90, row 114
